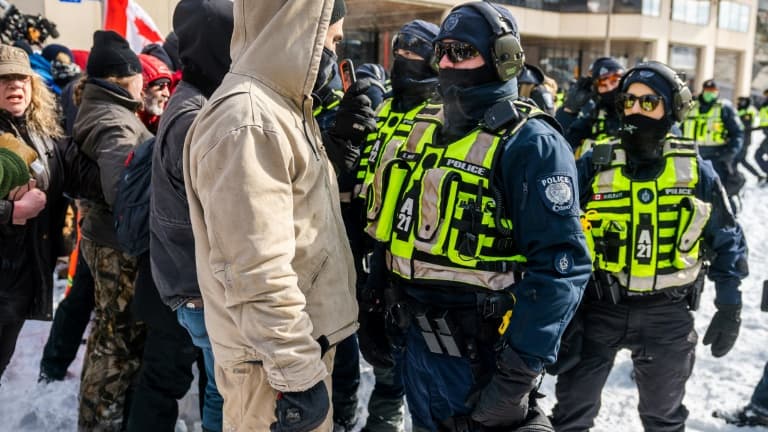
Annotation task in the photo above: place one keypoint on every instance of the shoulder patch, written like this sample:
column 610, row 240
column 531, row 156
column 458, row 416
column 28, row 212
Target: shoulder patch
column 563, row 262
column 557, row 193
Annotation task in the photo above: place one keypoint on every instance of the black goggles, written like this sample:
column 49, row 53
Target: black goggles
column 648, row 102
column 410, row 42
column 457, row 52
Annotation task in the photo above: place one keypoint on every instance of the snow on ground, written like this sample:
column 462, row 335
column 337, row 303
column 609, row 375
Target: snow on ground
column 725, row 383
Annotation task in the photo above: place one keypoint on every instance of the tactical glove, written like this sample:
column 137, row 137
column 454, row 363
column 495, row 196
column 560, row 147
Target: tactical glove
column 504, row 400
column 301, row 411
column 355, row 118
column 372, row 334
column 724, row 329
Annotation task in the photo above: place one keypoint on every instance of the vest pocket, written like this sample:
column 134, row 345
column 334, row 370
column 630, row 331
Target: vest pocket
column 693, row 215
column 611, row 238
column 381, row 203
column 437, row 197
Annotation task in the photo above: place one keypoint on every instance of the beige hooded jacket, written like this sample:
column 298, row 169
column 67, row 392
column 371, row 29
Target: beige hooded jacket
column 273, row 261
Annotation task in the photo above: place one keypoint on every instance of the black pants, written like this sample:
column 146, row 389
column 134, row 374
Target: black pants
column 166, row 369
column 346, row 380
column 9, row 333
column 662, row 340
column 69, row 323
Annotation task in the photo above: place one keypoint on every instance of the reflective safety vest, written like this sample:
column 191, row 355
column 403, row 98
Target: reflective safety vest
column 763, row 116
column 390, row 125
column 438, row 211
column 748, row 116
column 598, row 127
column 647, row 233
column 707, row 129
column 331, row 102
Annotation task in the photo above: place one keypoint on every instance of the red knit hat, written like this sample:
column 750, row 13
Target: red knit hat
column 153, row 69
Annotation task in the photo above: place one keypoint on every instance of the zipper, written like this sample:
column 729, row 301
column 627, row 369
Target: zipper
column 306, row 132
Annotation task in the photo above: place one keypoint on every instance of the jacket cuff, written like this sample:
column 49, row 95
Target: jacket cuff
column 727, row 292
column 6, row 211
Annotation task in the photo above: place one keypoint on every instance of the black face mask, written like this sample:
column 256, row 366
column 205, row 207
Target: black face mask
column 325, row 72
column 406, row 72
column 743, row 104
column 643, row 136
column 464, row 78
column 608, row 100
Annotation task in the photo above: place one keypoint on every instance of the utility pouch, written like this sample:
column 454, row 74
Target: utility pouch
column 396, row 307
column 694, row 297
column 434, row 216
column 382, row 202
column 608, row 288
column 692, row 218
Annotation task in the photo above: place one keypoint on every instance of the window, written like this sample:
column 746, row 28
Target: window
column 733, row 16
column 651, row 7
column 691, row 11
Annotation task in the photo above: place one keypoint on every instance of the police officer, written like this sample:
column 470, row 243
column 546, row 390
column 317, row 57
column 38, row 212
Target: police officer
column 719, row 134
column 414, row 85
column 749, row 117
column 533, row 84
column 477, row 216
column 761, row 154
column 654, row 212
column 597, row 117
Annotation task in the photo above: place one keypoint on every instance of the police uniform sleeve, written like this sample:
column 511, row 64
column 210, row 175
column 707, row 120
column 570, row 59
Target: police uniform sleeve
column 735, row 130
column 723, row 238
column 538, row 179
column 581, row 127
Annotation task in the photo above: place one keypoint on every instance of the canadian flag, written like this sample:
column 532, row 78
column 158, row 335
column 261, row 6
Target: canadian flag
column 128, row 19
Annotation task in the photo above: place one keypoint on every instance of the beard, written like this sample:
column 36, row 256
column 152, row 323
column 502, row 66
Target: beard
column 155, row 105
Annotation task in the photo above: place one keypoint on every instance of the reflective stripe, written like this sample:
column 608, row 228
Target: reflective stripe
column 430, row 272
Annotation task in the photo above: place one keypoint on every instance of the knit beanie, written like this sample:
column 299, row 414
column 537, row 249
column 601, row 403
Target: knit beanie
column 467, row 24
column 339, row 10
column 13, row 172
column 153, row 69
column 111, row 56
column 424, row 32
column 52, row 51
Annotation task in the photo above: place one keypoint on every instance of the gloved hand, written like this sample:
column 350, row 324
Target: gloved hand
column 723, row 329
column 578, row 94
column 372, row 334
column 355, row 118
column 504, row 400
column 301, row 411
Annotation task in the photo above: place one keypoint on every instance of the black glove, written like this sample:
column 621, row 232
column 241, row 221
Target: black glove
column 372, row 335
column 355, row 118
column 724, row 329
column 504, row 400
column 301, row 411
column 578, row 95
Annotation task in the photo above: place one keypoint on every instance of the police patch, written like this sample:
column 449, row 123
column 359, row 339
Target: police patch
column 563, row 263
column 451, row 22
column 645, row 195
column 556, row 192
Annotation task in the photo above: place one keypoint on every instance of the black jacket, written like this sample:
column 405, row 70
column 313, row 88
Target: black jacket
column 28, row 252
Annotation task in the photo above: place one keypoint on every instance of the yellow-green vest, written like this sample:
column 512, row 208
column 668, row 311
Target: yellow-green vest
column 647, row 234
column 435, row 208
column 390, row 125
column 329, row 104
column 707, row 129
column 763, row 116
column 748, row 116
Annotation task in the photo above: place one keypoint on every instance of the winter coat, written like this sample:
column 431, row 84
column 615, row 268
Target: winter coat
column 107, row 129
column 28, row 252
column 273, row 262
column 171, row 244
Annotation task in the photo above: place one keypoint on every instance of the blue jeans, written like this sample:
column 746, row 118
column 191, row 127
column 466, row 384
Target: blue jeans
column 193, row 320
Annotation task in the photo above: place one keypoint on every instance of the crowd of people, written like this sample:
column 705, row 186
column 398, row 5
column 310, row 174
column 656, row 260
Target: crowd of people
column 454, row 219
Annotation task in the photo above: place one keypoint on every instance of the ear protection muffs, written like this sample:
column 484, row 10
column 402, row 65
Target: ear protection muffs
column 508, row 56
column 682, row 100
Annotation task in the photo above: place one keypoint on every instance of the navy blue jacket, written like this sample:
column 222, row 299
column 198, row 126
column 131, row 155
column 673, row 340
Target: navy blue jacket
column 581, row 128
column 723, row 237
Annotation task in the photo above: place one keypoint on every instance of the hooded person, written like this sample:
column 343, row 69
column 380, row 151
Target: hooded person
column 487, row 150
column 63, row 67
column 642, row 297
column 256, row 149
column 155, row 92
column 171, row 242
column 107, row 129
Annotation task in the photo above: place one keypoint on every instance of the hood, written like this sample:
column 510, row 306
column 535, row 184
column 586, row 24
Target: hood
column 289, row 34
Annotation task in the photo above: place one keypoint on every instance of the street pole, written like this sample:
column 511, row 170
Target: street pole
column 607, row 49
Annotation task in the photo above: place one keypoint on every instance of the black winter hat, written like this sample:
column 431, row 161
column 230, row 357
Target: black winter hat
column 467, row 24
column 709, row 84
column 339, row 10
column 422, row 35
column 655, row 81
column 111, row 56
column 157, row 51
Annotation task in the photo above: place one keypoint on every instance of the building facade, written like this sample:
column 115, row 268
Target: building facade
column 700, row 38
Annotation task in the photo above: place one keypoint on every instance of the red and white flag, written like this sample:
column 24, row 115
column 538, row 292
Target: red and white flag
column 132, row 22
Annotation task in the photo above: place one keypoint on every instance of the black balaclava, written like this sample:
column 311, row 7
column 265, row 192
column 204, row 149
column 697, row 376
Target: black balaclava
column 413, row 81
column 743, row 102
column 642, row 136
column 469, row 93
column 328, row 58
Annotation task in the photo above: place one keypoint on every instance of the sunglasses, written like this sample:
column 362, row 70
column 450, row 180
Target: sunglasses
column 608, row 80
column 410, row 42
column 457, row 52
column 648, row 102
column 161, row 85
